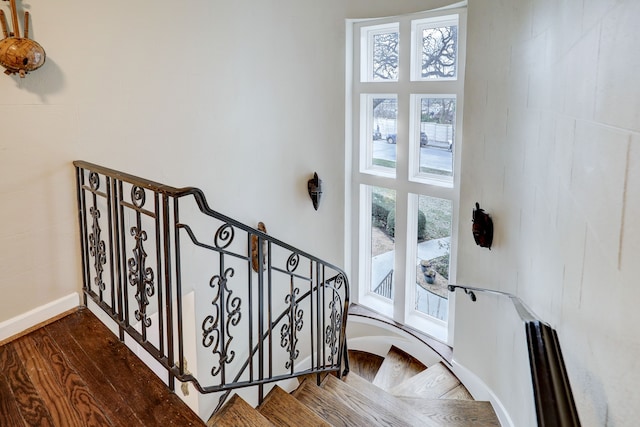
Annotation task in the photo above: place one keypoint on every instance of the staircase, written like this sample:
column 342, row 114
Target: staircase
column 396, row 390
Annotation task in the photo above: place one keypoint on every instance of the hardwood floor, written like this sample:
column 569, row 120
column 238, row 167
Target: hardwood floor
column 75, row 372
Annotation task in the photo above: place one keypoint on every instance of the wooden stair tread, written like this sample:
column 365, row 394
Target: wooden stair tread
column 397, row 367
column 454, row 413
column 431, row 383
column 329, row 407
column 282, row 409
column 238, row 413
column 312, row 377
column 364, row 364
column 460, row 393
column 358, row 385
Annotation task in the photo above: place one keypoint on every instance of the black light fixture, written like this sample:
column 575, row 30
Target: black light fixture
column 482, row 228
column 314, row 186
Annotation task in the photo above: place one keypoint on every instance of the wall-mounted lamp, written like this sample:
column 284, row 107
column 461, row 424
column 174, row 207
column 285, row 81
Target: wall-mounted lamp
column 314, row 186
column 482, row 227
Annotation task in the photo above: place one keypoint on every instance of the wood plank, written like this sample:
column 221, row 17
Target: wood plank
column 238, row 413
column 384, row 398
column 397, row 367
column 30, row 405
column 364, row 364
column 9, row 411
column 313, row 377
column 113, row 401
column 460, row 393
column 455, row 413
column 145, row 393
column 330, row 408
column 429, row 384
column 45, row 381
column 385, row 409
column 284, row 410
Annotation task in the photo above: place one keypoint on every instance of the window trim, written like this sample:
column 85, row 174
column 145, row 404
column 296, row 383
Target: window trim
column 355, row 206
column 367, row 33
column 417, row 27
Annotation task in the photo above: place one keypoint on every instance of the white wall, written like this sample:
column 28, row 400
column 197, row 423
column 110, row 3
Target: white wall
column 552, row 152
column 244, row 99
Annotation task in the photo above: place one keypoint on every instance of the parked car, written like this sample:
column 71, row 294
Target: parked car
column 424, row 140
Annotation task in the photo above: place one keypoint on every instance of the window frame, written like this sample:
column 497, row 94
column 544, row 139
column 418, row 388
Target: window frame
column 366, row 56
column 404, row 182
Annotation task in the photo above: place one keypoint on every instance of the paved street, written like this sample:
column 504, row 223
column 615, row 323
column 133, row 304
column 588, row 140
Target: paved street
column 431, row 157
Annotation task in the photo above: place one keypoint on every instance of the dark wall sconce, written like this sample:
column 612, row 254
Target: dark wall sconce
column 482, row 228
column 314, row 186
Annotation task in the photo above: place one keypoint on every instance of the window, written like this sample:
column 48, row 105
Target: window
column 407, row 93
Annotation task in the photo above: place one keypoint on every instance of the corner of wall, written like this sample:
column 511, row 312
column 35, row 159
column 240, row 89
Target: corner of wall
column 19, row 324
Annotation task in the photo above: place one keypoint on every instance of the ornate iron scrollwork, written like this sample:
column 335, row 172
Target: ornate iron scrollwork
column 138, row 196
column 94, row 181
column 212, row 329
column 140, row 276
column 333, row 329
column 97, row 248
column 288, row 332
column 224, row 236
column 292, row 262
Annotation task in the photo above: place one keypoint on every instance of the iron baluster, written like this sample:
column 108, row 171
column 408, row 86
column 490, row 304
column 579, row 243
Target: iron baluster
column 280, row 300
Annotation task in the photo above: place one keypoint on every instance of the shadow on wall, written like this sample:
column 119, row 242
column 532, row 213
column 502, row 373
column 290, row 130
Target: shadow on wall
column 47, row 80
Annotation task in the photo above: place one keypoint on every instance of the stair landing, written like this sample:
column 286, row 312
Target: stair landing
column 75, row 372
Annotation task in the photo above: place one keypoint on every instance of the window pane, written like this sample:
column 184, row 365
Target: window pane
column 385, row 56
column 384, row 113
column 383, row 214
column 439, row 52
column 437, row 125
column 432, row 271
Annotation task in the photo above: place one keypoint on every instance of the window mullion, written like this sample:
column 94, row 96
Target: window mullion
column 400, row 290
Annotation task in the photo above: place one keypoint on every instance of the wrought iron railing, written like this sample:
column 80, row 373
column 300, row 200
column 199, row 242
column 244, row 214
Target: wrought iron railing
column 385, row 287
column 552, row 395
column 264, row 310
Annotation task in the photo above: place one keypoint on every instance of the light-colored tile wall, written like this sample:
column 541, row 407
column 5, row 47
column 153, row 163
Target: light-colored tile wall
column 552, row 152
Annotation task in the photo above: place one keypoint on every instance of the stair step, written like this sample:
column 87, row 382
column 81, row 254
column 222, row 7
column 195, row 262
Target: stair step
column 284, row 410
column 329, row 407
column 238, row 413
column 364, row 364
column 313, row 377
column 397, row 367
column 460, row 393
column 432, row 383
column 454, row 413
column 359, row 386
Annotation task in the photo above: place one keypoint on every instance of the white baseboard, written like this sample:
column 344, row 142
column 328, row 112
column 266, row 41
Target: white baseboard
column 480, row 391
column 27, row 320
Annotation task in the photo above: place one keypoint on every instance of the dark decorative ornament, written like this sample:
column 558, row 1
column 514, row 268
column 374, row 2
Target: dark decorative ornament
column 315, row 190
column 140, row 276
column 482, row 228
column 19, row 55
column 255, row 264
